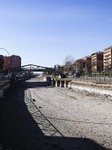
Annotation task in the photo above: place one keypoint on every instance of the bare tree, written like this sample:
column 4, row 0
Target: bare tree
column 69, row 64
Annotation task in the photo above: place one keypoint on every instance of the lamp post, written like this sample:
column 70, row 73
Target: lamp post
column 8, row 55
column 6, row 51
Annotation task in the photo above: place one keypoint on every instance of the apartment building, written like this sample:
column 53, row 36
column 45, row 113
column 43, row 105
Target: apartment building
column 11, row 62
column 80, row 65
column 107, row 59
column 97, row 62
column 6, row 64
column 87, row 65
column 15, row 61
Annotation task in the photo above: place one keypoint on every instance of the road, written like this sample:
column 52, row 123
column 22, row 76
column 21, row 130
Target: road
column 34, row 116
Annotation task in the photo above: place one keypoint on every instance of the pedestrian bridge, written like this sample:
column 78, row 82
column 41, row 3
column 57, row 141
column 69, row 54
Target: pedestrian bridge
column 32, row 67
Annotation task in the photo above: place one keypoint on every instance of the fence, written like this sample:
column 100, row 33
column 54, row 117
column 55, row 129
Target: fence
column 98, row 80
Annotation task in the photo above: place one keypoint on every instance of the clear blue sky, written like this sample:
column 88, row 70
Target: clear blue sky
column 45, row 32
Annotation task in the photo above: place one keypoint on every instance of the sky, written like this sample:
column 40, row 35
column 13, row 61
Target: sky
column 45, row 32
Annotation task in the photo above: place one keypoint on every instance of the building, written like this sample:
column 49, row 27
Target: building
column 80, row 65
column 15, row 61
column 107, row 59
column 6, row 65
column 87, row 66
column 97, row 62
column 1, row 63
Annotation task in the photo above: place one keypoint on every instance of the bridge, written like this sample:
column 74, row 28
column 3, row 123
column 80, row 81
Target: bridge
column 32, row 67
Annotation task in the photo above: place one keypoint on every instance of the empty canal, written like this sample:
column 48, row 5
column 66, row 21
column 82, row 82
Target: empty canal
column 34, row 116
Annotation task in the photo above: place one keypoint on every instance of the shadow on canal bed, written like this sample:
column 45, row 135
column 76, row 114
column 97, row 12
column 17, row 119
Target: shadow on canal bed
column 19, row 131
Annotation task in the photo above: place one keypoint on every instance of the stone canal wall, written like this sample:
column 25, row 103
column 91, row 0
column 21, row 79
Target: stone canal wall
column 103, row 89
column 4, row 85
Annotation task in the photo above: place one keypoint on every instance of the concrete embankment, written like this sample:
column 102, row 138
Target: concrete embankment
column 103, row 89
column 4, row 86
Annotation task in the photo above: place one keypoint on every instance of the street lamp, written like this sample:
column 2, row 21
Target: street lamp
column 8, row 55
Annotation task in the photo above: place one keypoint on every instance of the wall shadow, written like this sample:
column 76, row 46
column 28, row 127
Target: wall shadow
column 19, row 131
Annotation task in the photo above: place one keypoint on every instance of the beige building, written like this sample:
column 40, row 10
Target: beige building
column 107, row 59
column 97, row 62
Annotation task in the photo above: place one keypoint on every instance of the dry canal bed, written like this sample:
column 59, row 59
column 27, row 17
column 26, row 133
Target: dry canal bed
column 69, row 113
column 34, row 116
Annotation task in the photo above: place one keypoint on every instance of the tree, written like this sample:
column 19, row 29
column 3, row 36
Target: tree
column 69, row 64
column 1, row 63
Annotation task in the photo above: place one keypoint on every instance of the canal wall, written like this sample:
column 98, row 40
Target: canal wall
column 103, row 89
column 4, row 86
column 7, row 84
